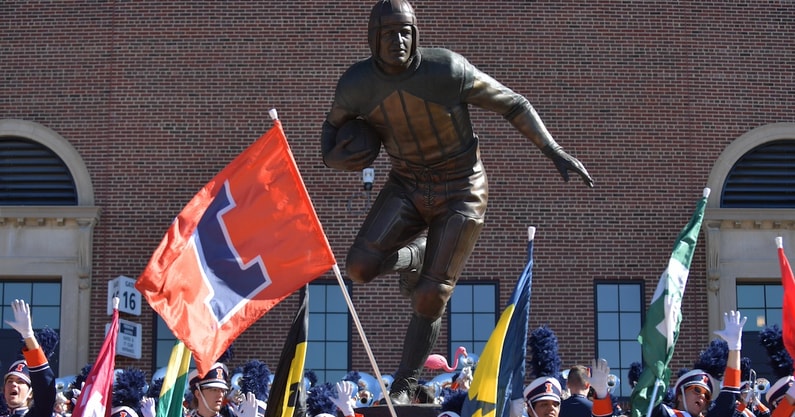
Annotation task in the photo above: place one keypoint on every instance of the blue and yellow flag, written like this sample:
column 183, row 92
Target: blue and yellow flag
column 172, row 393
column 288, row 395
column 499, row 376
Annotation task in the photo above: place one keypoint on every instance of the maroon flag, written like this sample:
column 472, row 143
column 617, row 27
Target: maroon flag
column 788, row 310
column 95, row 398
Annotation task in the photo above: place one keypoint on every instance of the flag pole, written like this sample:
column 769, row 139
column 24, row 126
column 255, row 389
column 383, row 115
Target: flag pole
column 657, row 384
column 358, row 324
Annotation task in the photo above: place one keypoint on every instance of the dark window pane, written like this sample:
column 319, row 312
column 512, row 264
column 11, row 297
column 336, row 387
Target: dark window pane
column 609, row 351
column 461, row 327
column 46, row 317
column 16, row 291
column 484, row 302
column 774, row 317
column 629, row 325
column 630, row 298
column 630, row 352
column 607, row 323
column 756, row 319
column 752, row 296
column 774, row 296
column 335, row 301
column 46, row 293
column 337, row 328
column 317, row 297
column 462, row 299
column 606, row 297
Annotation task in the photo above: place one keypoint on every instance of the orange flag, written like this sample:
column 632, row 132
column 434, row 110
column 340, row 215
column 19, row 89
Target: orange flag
column 788, row 308
column 246, row 241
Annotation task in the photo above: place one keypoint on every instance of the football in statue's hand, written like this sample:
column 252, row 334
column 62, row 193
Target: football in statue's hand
column 364, row 143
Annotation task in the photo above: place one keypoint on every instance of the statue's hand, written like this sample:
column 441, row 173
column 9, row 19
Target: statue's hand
column 339, row 154
column 340, row 157
column 565, row 163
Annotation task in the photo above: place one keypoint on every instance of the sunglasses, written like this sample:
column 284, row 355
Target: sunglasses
column 700, row 391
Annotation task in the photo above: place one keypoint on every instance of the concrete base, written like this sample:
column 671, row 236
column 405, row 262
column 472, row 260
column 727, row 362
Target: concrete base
column 414, row 410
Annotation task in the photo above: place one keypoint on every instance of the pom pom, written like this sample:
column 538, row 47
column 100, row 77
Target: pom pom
column 635, row 369
column 712, row 360
column 154, row 389
column 745, row 368
column 453, row 399
column 129, row 389
column 256, row 379
column 780, row 360
column 352, row 376
column 318, row 400
column 312, row 377
column 545, row 360
column 80, row 379
column 48, row 340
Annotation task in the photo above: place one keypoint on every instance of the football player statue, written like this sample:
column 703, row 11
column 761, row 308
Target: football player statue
column 416, row 101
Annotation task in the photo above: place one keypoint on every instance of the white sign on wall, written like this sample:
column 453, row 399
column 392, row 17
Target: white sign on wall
column 128, row 342
column 129, row 297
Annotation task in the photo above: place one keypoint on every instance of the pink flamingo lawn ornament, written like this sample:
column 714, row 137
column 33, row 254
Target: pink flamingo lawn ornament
column 435, row 361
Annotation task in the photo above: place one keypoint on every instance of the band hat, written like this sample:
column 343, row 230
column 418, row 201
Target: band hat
column 777, row 390
column 123, row 411
column 545, row 388
column 19, row 369
column 216, row 378
column 697, row 377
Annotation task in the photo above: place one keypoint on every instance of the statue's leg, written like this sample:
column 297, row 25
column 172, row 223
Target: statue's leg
column 450, row 242
column 391, row 224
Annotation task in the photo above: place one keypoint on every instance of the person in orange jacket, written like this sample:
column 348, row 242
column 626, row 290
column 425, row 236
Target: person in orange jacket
column 29, row 384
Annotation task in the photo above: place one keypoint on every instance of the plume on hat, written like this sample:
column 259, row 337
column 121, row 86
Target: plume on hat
column 80, row 378
column 48, row 340
column 712, row 360
column 153, row 391
column 745, row 368
column 780, row 360
column 318, row 400
column 129, row 389
column 311, row 376
column 545, row 361
column 633, row 375
column 453, row 399
column 256, row 379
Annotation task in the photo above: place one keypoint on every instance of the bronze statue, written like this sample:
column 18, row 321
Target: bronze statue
column 417, row 100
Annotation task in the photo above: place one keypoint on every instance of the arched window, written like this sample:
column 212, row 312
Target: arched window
column 33, row 175
column 762, row 178
column 47, row 219
column 752, row 203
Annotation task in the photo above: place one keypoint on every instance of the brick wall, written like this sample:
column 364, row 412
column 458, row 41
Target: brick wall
column 158, row 96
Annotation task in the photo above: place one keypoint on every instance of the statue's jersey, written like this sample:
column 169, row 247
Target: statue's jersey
column 422, row 114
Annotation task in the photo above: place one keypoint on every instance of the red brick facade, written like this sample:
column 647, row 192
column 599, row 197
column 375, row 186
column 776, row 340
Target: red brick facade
column 158, row 96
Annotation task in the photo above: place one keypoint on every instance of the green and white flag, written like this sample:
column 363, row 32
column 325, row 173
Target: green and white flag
column 172, row 393
column 661, row 328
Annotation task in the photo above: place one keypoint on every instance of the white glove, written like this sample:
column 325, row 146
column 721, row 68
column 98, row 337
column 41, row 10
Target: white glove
column 148, row 407
column 598, row 379
column 517, row 407
column 344, row 400
column 732, row 331
column 248, row 407
column 22, row 322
